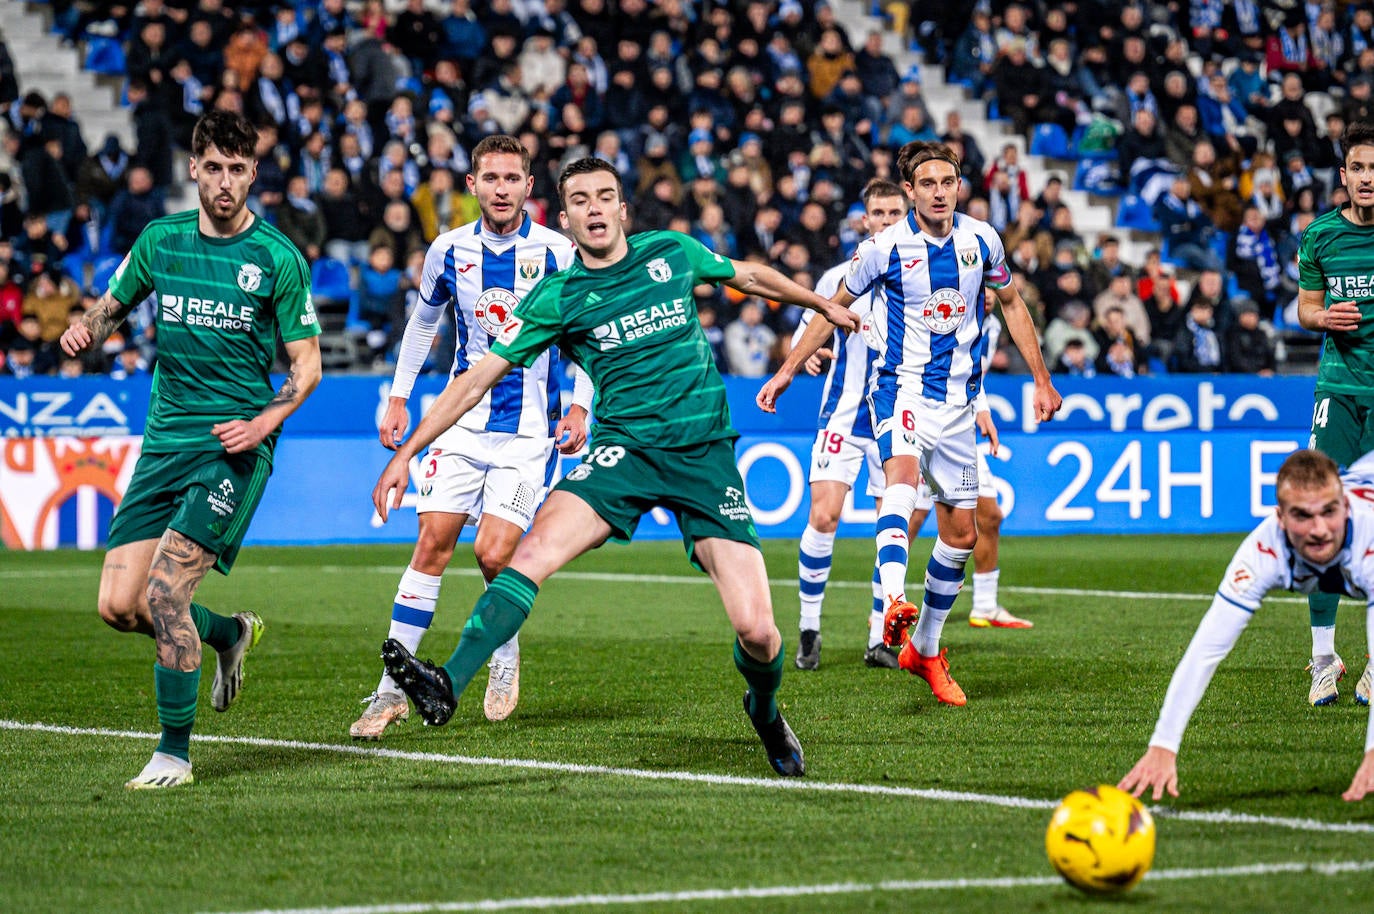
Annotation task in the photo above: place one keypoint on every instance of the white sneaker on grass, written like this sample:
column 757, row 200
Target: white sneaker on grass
column 162, row 770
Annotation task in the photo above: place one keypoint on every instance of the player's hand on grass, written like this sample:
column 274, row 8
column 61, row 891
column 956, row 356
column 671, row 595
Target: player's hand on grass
column 816, row 364
column 75, row 339
column 841, row 316
column 1364, row 780
column 391, row 486
column 988, row 428
column 571, row 431
column 394, row 423
column 239, row 435
column 1342, row 316
column 767, row 398
column 1158, row 768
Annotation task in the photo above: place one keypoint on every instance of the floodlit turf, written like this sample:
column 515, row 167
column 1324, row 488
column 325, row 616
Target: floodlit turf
column 637, row 674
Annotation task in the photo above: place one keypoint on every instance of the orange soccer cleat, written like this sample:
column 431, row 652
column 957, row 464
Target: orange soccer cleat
column 935, row 671
column 899, row 617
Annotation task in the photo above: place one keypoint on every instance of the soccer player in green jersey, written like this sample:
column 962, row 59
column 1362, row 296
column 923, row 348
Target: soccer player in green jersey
column 625, row 313
column 1335, row 286
column 227, row 285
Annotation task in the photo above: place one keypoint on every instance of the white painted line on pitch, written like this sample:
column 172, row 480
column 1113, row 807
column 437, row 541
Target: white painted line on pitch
column 553, row 902
column 677, row 580
column 1220, row 817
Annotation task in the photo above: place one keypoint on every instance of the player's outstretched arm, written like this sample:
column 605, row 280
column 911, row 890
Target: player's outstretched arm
column 462, row 394
column 1314, row 315
column 817, row 333
column 1022, row 330
column 302, row 377
column 100, row 321
column 1363, row 784
column 762, row 280
column 983, row 419
column 1157, row 768
column 415, row 343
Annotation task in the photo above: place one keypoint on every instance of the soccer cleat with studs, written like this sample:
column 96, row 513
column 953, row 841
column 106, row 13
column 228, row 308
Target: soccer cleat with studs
column 899, row 616
column 383, row 710
column 935, row 671
column 780, row 743
column 1366, row 684
column 162, row 771
column 229, row 665
column 427, row 685
column 997, row 617
column 1325, row 675
column 503, row 688
column 882, row 657
column 809, row 650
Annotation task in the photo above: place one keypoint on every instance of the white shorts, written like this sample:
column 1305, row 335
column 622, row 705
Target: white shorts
column 481, row 473
column 941, row 437
column 925, row 498
column 836, row 457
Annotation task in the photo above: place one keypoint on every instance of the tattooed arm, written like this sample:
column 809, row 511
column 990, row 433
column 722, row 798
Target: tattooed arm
column 99, row 322
column 241, row 435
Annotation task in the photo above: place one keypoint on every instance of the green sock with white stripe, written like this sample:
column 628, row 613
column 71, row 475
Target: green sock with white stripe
column 176, row 709
column 498, row 615
column 219, row 632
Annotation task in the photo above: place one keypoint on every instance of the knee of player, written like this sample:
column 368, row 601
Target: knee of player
column 989, row 517
column 823, row 519
column 119, row 615
column 491, row 559
column 758, row 634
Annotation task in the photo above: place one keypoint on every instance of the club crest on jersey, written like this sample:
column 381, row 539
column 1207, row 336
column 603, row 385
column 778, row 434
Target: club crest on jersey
column 944, row 310
column 250, row 277
column 493, row 309
column 968, row 257
column 659, row 271
column 529, row 268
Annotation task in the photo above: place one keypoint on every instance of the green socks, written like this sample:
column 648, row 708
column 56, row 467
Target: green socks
column 763, row 679
column 1322, row 608
column 176, row 709
column 498, row 615
column 220, row 632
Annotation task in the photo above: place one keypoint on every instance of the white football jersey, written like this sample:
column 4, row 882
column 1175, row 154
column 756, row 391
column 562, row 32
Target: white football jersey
column 483, row 276
column 844, row 403
column 933, row 290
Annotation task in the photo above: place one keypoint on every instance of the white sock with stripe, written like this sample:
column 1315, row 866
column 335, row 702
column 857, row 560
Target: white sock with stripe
column 875, row 616
column 411, row 614
column 985, row 590
column 944, row 580
column 899, row 501
column 813, row 571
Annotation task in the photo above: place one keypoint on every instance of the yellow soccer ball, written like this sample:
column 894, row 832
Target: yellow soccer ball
column 1101, row 840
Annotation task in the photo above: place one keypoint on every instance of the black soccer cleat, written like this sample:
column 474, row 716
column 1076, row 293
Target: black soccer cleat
column 882, row 657
column 425, row 684
column 784, row 751
column 809, row 650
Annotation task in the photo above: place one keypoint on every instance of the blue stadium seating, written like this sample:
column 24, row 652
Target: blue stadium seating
column 1134, row 213
column 103, row 271
column 1050, row 140
column 105, row 56
column 330, row 283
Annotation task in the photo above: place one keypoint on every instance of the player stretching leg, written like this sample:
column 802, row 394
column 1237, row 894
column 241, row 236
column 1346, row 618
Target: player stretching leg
column 932, row 268
column 495, row 463
column 1334, row 266
column 228, row 284
column 844, row 442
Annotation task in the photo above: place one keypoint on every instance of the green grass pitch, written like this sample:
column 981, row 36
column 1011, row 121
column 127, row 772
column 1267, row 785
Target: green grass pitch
column 627, row 670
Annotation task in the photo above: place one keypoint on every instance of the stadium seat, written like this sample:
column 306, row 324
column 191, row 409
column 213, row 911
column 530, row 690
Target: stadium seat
column 105, row 56
column 103, row 270
column 1134, row 213
column 330, row 284
column 1050, row 140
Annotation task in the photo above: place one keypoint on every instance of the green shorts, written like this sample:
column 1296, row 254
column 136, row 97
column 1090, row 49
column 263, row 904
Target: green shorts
column 1343, row 425
column 207, row 497
column 700, row 485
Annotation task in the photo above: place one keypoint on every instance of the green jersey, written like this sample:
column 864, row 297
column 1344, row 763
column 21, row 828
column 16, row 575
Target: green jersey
column 220, row 304
column 633, row 328
column 1337, row 257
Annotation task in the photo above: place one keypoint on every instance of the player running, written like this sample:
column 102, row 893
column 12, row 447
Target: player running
column 496, row 462
column 1320, row 539
column 931, row 268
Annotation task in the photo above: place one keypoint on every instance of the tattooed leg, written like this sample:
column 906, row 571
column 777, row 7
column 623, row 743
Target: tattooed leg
column 177, row 570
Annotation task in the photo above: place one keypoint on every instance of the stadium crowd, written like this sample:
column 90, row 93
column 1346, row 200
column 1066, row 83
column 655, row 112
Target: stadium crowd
column 751, row 125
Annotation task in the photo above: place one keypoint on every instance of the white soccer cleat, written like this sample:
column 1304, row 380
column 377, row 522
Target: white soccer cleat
column 229, row 668
column 1324, row 679
column 1366, row 684
column 383, row 710
column 997, row 617
column 503, row 689
column 162, row 770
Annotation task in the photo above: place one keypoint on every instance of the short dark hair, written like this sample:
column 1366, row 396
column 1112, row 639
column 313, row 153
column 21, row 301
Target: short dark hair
column 881, row 187
column 500, row 143
column 1357, row 133
column 918, row 152
column 586, row 166
column 230, row 133
column 1306, row 469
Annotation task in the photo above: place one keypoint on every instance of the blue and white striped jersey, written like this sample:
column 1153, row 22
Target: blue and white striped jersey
column 933, row 339
column 483, row 276
column 844, row 398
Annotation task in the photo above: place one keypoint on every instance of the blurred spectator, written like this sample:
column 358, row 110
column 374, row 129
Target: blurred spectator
column 1184, row 133
column 1214, row 184
column 1247, row 348
column 1106, row 264
column 11, row 305
column 20, row 360
column 300, row 219
column 1255, row 261
column 129, row 364
column 1119, row 296
column 1187, row 230
column 1075, row 360
column 152, row 133
column 30, row 334
column 1120, row 352
column 48, row 297
column 441, row 205
column 39, row 247
column 397, row 231
column 715, row 336
column 1196, row 347
column 60, row 124
column 1073, row 322
column 102, row 175
column 345, row 222
column 748, row 342
column 381, row 300
column 1021, row 88
column 415, row 33
column 133, row 208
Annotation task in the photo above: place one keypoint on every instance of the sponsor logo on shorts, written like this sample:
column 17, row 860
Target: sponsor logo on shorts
column 579, row 472
column 219, row 499
column 426, row 490
column 734, row 508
